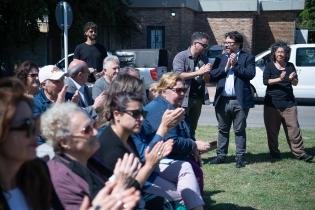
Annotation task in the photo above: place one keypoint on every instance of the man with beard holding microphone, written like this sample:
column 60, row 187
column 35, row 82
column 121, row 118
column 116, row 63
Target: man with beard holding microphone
column 192, row 66
column 91, row 52
column 232, row 72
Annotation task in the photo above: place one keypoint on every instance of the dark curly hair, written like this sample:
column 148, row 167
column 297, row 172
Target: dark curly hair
column 122, row 89
column 24, row 69
column 89, row 25
column 236, row 36
column 284, row 46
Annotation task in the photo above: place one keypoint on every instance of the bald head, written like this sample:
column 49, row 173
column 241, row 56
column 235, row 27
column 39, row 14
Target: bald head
column 77, row 66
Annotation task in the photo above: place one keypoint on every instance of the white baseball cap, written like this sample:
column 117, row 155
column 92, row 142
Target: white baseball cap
column 50, row 72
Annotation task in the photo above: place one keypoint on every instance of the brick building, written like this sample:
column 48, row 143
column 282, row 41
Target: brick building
column 169, row 23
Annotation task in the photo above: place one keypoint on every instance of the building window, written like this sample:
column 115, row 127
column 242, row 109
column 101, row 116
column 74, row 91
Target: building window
column 156, row 37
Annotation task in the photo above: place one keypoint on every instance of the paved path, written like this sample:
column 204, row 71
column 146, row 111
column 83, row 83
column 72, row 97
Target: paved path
column 255, row 116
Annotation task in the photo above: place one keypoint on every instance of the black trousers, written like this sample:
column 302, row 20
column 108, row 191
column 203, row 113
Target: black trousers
column 229, row 111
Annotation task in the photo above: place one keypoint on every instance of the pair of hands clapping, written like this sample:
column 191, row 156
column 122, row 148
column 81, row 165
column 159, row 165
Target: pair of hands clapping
column 291, row 76
column 98, row 102
column 117, row 194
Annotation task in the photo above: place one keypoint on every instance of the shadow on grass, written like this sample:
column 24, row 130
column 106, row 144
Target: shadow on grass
column 211, row 204
column 262, row 157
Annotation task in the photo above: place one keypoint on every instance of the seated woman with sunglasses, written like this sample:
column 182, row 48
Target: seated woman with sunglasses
column 20, row 189
column 176, row 182
column 171, row 92
column 27, row 72
column 73, row 136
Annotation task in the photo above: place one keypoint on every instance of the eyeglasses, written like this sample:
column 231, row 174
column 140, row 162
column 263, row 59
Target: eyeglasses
column 203, row 45
column 136, row 114
column 179, row 90
column 228, row 43
column 28, row 126
column 34, row 75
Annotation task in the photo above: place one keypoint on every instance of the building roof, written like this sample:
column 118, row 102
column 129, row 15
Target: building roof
column 222, row 5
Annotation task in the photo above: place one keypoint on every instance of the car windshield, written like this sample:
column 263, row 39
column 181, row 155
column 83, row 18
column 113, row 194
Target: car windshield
column 214, row 51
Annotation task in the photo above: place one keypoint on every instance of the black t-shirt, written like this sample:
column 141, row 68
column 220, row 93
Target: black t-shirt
column 93, row 55
column 279, row 95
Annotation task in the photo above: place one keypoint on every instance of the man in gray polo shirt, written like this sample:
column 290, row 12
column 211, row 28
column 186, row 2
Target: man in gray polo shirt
column 110, row 70
column 193, row 67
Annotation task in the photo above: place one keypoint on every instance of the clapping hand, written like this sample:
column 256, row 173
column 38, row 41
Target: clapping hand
column 75, row 97
column 62, row 94
column 204, row 69
column 159, row 151
column 292, row 76
column 106, row 198
column 126, row 170
column 99, row 101
column 170, row 119
column 282, row 75
column 232, row 59
column 202, row 146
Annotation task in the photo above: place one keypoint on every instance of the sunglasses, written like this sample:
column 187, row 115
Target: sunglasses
column 136, row 114
column 89, row 128
column 34, row 75
column 203, row 45
column 179, row 90
column 28, row 126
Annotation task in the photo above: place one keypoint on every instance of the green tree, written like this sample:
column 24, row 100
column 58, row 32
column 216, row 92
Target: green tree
column 306, row 18
column 18, row 23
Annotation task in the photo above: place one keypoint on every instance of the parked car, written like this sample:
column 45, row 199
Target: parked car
column 151, row 63
column 303, row 58
column 213, row 52
column 61, row 63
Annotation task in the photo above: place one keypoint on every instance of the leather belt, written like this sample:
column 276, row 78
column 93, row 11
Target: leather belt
column 229, row 97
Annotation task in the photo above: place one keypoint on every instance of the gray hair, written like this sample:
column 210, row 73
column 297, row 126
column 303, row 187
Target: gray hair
column 56, row 122
column 110, row 58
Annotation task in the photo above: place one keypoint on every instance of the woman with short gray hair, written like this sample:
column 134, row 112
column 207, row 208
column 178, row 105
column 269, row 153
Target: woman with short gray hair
column 73, row 136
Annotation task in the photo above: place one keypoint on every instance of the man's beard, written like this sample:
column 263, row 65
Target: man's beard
column 92, row 37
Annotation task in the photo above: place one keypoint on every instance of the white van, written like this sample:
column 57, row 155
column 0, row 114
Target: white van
column 303, row 58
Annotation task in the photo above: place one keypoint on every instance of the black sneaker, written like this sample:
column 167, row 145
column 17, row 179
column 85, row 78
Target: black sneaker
column 274, row 157
column 218, row 160
column 240, row 162
column 306, row 157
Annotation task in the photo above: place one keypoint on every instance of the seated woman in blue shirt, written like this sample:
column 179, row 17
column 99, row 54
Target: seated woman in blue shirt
column 171, row 92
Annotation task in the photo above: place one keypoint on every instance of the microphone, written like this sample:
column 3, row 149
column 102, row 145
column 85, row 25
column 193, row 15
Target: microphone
column 200, row 63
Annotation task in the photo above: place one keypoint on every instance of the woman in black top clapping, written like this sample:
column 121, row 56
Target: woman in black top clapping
column 280, row 105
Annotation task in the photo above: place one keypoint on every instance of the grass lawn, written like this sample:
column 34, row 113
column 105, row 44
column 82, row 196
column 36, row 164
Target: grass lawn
column 286, row 184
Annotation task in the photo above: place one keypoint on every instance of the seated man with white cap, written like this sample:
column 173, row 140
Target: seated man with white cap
column 52, row 89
